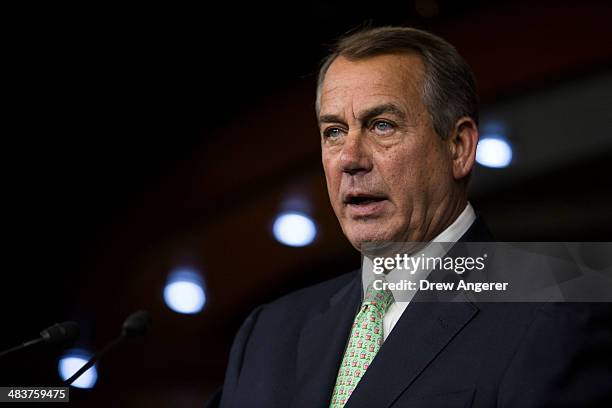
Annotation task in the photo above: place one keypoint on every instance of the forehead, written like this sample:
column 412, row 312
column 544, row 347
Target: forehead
column 385, row 78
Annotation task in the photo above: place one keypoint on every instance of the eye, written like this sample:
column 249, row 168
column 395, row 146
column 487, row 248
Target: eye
column 382, row 127
column 332, row 133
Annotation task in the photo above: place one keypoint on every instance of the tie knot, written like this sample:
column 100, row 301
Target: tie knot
column 381, row 299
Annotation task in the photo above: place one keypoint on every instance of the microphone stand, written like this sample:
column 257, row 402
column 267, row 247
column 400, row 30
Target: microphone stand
column 98, row 355
column 23, row 345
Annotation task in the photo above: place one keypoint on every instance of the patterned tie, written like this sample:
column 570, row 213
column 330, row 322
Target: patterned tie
column 365, row 341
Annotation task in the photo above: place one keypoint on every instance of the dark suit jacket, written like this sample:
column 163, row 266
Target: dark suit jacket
column 287, row 353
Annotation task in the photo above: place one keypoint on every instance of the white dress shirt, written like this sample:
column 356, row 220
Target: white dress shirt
column 450, row 234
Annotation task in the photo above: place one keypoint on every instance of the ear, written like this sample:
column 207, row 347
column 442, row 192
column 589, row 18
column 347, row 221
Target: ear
column 462, row 143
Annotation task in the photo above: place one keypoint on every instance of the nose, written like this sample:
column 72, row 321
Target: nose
column 355, row 156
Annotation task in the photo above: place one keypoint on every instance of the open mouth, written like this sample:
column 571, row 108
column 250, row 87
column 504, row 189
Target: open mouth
column 362, row 200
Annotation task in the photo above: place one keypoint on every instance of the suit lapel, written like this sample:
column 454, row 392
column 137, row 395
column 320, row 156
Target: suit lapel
column 321, row 347
column 424, row 329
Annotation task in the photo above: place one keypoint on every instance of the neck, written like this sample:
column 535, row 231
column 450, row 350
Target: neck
column 445, row 216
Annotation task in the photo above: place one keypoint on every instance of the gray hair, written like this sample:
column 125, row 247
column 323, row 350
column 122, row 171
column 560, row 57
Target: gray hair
column 449, row 87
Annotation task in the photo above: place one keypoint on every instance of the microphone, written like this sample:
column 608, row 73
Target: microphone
column 136, row 324
column 58, row 333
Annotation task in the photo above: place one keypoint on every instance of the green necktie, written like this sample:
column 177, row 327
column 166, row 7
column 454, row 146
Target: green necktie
column 365, row 341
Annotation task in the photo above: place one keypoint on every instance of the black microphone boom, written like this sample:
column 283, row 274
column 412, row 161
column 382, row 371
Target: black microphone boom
column 135, row 325
column 65, row 332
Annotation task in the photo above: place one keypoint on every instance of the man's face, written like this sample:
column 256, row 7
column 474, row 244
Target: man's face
column 389, row 175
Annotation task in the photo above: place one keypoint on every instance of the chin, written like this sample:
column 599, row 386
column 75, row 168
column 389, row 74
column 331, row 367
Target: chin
column 361, row 239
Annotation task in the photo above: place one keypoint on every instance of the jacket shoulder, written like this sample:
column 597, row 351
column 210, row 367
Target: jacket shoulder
column 312, row 298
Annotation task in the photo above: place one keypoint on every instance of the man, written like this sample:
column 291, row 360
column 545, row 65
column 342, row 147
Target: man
column 398, row 114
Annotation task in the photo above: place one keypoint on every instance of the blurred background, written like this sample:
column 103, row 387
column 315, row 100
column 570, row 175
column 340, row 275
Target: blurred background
column 168, row 159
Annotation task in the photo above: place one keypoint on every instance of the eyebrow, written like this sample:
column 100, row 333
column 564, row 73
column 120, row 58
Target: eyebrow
column 368, row 115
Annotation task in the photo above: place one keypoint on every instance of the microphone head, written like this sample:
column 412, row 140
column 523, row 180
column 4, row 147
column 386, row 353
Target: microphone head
column 61, row 332
column 137, row 324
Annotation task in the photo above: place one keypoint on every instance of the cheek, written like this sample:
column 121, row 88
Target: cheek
column 407, row 174
column 330, row 177
column 398, row 171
